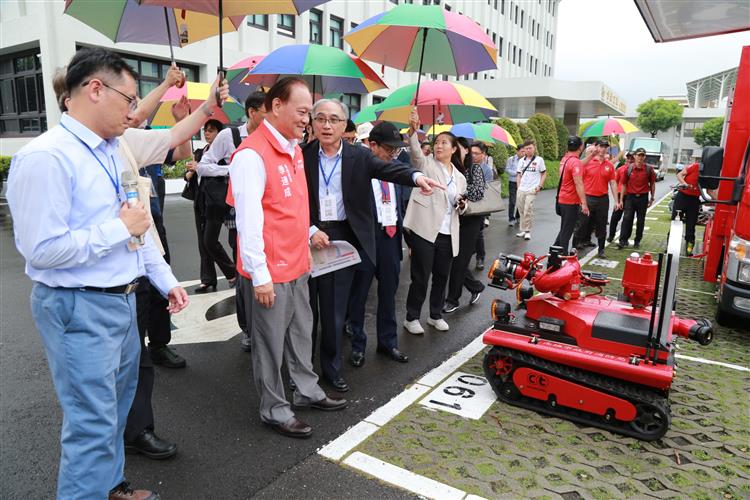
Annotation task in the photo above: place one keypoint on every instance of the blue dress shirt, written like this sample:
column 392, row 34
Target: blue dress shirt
column 329, row 168
column 66, row 209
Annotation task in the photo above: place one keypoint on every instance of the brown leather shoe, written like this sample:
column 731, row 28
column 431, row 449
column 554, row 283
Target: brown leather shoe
column 328, row 403
column 293, row 427
column 123, row 491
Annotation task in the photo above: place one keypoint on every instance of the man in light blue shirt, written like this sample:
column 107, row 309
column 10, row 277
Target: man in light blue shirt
column 76, row 233
column 511, row 168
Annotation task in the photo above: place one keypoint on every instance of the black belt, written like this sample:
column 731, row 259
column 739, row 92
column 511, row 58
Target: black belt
column 637, row 195
column 116, row 290
column 328, row 224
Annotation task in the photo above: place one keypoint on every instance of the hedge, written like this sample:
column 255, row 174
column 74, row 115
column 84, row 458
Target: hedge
column 4, row 166
column 547, row 135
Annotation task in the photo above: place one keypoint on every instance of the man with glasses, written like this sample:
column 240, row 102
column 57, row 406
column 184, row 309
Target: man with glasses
column 637, row 191
column 340, row 193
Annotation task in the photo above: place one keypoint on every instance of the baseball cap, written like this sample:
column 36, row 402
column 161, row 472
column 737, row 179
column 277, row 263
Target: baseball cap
column 628, row 154
column 574, row 142
column 602, row 142
column 363, row 131
column 386, row 133
column 639, row 151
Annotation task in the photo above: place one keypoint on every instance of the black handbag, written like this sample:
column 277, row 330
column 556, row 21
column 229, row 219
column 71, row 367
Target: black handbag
column 190, row 191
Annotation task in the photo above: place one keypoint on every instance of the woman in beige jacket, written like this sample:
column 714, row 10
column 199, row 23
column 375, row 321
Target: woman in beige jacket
column 433, row 223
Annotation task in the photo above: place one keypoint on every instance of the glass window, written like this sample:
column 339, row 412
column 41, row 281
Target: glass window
column 520, row 56
column 149, row 69
column 258, row 21
column 286, row 25
column 354, row 102
column 22, row 108
column 502, row 6
column 376, row 99
column 336, row 32
column 316, row 26
column 500, row 48
column 521, row 18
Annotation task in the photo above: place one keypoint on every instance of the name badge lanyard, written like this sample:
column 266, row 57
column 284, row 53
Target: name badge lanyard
column 111, row 178
column 327, row 179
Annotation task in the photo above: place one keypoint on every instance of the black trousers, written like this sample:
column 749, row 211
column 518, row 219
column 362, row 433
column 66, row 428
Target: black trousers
column 329, row 299
column 208, row 270
column 386, row 270
column 211, row 232
column 596, row 220
column 690, row 206
column 512, row 190
column 613, row 221
column 568, row 218
column 158, row 324
column 481, row 254
column 141, row 414
column 460, row 276
column 428, row 258
column 635, row 204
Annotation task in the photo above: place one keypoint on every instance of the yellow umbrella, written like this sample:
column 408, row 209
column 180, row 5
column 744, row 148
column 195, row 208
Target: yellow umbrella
column 196, row 93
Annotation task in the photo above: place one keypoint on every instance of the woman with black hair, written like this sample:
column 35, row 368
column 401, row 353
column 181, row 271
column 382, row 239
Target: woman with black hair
column 433, row 223
column 469, row 225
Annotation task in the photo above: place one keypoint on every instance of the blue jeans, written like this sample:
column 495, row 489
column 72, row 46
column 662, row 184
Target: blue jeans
column 92, row 347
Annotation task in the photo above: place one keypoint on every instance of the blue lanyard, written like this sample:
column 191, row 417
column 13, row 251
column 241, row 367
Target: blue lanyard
column 106, row 170
column 327, row 180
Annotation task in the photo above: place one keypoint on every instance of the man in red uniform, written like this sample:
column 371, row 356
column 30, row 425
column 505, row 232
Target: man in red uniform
column 598, row 173
column 688, row 202
column 617, row 214
column 570, row 192
column 637, row 191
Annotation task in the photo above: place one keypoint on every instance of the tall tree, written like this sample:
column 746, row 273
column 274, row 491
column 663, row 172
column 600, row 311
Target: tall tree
column 657, row 115
column 710, row 133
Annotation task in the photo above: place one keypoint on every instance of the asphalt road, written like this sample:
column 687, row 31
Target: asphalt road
column 210, row 407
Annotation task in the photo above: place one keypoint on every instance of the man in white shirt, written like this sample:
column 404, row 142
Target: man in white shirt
column 530, row 179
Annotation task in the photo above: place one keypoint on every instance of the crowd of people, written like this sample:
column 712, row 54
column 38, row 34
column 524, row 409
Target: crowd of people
column 294, row 178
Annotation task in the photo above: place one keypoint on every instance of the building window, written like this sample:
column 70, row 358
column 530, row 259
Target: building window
column 376, row 99
column 286, row 25
column 258, row 21
column 354, row 102
column 514, row 54
column 336, row 32
column 22, row 95
column 353, row 25
column 502, row 6
column 536, row 66
column 394, row 1
column 516, row 15
column 551, row 40
column 521, row 18
column 503, row 3
column 520, row 57
column 500, row 48
column 316, row 26
column 448, row 7
column 151, row 72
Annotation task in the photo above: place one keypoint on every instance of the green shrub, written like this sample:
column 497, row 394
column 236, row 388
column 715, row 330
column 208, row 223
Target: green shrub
column 540, row 149
column 526, row 133
column 176, row 171
column 499, row 154
column 511, row 127
column 562, row 137
column 553, row 173
column 4, row 166
column 547, row 135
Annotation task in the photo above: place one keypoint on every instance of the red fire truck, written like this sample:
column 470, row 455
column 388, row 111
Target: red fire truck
column 724, row 169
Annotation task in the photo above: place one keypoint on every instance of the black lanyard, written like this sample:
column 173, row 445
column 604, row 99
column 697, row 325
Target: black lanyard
column 106, row 170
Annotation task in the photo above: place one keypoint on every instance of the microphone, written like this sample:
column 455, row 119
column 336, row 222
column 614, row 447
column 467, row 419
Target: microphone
column 130, row 187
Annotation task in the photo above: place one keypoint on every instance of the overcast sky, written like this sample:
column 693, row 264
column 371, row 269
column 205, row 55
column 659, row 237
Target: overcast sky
column 608, row 41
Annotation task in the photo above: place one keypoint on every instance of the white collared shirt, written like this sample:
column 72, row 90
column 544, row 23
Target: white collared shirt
column 451, row 191
column 221, row 149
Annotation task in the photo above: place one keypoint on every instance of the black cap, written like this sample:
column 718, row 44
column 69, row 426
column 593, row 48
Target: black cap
column 386, row 133
column 639, row 150
column 574, row 142
column 602, row 142
column 628, row 154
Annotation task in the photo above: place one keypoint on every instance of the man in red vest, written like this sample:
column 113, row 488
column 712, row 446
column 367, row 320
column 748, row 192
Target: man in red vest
column 270, row 194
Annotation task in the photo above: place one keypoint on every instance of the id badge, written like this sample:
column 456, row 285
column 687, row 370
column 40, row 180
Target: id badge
column 328, row 208
column 389, row 215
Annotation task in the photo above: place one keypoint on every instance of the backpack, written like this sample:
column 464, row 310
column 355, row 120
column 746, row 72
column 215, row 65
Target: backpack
column 649, row 170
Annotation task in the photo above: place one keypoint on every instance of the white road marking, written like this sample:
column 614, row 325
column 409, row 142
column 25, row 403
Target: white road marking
column 437, row 375
column 403, row 478
column 388, row 411
column 463, row 394
column 711, row 362
column 335, row 450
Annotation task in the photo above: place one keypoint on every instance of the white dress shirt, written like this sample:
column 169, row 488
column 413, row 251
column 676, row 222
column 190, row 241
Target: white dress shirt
column 451, row 192
column 377, row 192
column 221, row 149
column 248, row 175
column 66, row 209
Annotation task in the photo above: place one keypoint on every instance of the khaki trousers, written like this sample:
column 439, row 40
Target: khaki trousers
column 525, row 205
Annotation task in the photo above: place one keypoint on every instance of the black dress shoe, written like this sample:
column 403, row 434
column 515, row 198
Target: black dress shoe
column 203, row 288
column 394, row 354
column 165, row 356
column 328, row 403
column 357, row 359
column 292, row 385
column 339, row 384
column 293, row 427
column 149, row 444
column 348, row 332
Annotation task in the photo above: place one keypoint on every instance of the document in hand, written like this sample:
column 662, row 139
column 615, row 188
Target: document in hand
column 338, row 255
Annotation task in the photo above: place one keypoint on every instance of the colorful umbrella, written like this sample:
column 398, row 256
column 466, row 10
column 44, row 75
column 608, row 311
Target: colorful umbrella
column 196, row 93
column 237, row 72
column 438, row 103
column 129, row 21
column 425, row 39
column 488, row 133
column 609, row 126
column 326, row 69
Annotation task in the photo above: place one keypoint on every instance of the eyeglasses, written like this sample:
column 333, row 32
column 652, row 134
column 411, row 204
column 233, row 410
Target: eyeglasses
column 322, row 120
column 132, row 101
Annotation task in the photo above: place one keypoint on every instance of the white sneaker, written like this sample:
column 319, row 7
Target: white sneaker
column 438, row 324
column 521, row 234
column 527, row 236
column 414, row 327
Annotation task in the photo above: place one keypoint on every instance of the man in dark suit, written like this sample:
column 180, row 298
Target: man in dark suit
column 386, row 206
column 339, row 190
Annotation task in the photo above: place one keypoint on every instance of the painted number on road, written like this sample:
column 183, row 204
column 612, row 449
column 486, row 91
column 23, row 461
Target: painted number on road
column 464, row 394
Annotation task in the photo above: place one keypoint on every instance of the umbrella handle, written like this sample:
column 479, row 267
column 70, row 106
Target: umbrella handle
column 421, row 61
column 217, row 94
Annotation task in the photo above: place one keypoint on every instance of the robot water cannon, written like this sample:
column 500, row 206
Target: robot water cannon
column 639, row 279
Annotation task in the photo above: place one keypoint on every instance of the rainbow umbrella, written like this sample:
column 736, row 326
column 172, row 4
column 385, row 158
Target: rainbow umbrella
column 609, row 126
column 196, row 93
column 237, row 72
column 438, row 102
column 424, row 39
column 129, row 21
column 327, row 70
column 489, row 133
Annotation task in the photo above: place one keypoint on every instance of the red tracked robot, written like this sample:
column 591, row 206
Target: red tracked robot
column 589, row 358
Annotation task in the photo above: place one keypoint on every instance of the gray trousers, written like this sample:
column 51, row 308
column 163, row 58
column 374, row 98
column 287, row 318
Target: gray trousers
column 283, row 332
